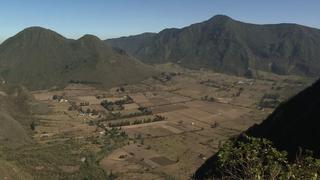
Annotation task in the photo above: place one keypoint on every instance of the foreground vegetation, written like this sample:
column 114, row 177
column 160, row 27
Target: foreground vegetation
column 55, row 160
column 257, row 158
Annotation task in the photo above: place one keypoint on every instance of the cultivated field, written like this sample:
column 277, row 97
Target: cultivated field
column 172, row 124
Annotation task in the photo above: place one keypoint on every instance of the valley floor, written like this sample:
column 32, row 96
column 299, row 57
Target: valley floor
column 200, row 110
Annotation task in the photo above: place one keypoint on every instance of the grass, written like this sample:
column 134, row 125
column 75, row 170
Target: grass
column 44, row 161
column 9, row 170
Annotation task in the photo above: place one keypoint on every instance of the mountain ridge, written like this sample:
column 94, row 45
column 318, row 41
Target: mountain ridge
column 231, row 46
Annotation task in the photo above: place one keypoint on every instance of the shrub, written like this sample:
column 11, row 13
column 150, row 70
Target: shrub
column 250, row 158
column 256, row 158
column 207, row 98
column 33, row 126
column 159, row 118
column 145, row 110
column 110, row 106
column 57, row 97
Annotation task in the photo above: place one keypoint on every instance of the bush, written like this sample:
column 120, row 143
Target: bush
column 57, row 97
column 145, row 110
column 158, row 118
column 269, row 101
column 110, row 106
column 207, row 98
column 256, row 158
column 33, row 126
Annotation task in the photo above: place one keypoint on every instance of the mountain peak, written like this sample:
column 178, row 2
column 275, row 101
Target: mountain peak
column 36, row 35
column 89, row 38
column 220, row 18
column 91, row 41
column 36, row 28
column 37, row 31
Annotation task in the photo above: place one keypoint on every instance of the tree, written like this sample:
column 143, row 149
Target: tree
column 33, row 126
column 94, row 112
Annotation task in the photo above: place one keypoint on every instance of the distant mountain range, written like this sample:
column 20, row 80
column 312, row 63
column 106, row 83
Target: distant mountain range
column 230, row 46
column 40, row 58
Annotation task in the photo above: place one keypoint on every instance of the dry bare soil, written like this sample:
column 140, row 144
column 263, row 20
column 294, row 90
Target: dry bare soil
column 201, row 109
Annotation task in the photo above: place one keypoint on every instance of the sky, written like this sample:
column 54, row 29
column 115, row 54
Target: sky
column 115, row 18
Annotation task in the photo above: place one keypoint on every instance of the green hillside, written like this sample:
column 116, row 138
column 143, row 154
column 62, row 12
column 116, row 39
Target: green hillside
column 39, row 58
column 230, row 46
column 15, row 116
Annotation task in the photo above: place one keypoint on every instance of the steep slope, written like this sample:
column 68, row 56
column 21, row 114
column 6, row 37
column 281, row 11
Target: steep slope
column 134, row 44
column 294, row 124
column 15, row 117
column 292, row 127
column 230, row 46
column 40, row 58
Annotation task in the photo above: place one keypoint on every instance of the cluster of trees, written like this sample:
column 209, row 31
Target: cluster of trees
column 120, row 89
column 73, row 106
column 83, row 82
column 271, row 96
column 145, row 110
column 269, row 101
column 118, row 115
column 208, row 98
column 124, row 100
column 111, row 139
column 110, row 132
column 164, row 77
column 84, row 103
column 237, row 94
column 257, row 158
column 57, row 97
column 138, row 121
column 119, row 124
column 100, row 96
column 33, row 126
column 210, row 83
column 149, row 120
column 91, row 111
column 117, row 105
column 110, row 106
column 116, row 132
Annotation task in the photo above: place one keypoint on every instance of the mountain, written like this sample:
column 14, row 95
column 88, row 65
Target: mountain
column 40, row 58
column 230, row 46
column 294, row 124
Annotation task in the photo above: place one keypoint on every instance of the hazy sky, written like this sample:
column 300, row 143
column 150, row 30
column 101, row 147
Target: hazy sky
column 114, row 18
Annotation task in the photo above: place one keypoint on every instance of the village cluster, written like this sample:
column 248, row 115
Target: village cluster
column 111, row 111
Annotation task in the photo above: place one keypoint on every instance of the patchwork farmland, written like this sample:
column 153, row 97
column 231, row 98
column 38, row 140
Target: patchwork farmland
column 172, row 127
